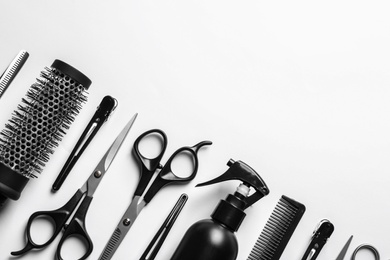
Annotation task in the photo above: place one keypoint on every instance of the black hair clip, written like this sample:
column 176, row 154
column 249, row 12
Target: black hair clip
column 104, row 110
column 320, row 236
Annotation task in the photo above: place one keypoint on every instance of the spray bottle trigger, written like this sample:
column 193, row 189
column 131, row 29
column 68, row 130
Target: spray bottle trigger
column 239, row 170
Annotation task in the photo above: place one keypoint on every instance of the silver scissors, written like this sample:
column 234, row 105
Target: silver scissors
column 361, row 247
column 77, row 205
column 164, row 177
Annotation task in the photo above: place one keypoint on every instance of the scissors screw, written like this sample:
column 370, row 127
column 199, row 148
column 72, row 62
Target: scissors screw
column 126, row 221
column 98, row 174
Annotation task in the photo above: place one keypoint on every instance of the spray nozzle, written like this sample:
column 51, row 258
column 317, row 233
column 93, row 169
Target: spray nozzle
column 239, row 170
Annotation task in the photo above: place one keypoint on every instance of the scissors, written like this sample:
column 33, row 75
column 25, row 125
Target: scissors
column 82, row 198
column 361, row 247
column 165, row 176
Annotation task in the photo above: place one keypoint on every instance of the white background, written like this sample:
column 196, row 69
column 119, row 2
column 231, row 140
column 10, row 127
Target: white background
column 299, row 90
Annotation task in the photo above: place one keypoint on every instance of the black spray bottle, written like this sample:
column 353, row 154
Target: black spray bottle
column 214, row 239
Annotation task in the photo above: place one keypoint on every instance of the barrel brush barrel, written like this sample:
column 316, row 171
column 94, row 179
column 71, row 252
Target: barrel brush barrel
column 38, row 125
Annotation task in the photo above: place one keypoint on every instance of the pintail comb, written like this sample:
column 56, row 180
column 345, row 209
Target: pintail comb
column 38, row 124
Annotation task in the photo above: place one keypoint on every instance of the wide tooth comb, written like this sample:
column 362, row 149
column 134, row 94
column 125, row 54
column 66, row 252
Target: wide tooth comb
column 278, row 230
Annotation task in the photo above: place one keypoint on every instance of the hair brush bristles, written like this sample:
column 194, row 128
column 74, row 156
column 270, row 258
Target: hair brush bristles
column 33, row 133
column 41, row 120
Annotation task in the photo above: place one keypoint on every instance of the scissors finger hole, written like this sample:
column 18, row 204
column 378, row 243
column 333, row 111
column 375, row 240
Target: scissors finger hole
column 74, row 247
column 42, row 229
column 364, row 252
column 183, row 164
column 151, row 145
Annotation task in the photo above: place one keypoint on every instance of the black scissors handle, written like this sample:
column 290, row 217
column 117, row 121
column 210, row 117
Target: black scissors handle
column 167, row 176
column 148, row 165
column 77, row 228
column 57, row 217
column 366, row 246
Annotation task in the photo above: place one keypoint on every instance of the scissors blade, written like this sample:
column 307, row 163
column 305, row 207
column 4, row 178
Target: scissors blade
column 121, row 230
column 112, row 151
column 344, row 250
column 107, row 159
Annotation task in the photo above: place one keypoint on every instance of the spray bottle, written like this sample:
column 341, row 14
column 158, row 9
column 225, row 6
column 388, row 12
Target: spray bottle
column 214, row 239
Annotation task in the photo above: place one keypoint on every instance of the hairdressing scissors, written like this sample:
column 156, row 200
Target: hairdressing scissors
column 82, row 198
column 361, row 247
column 164, row 177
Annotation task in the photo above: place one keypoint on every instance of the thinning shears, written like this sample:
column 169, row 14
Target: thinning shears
column 361, row 247
column 141, row 197
column 77, row 206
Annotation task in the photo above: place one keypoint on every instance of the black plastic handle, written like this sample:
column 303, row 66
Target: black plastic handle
column 77, row 228
column 166, row 175
column 57, row 217
column 368, row 247
column 148, row 165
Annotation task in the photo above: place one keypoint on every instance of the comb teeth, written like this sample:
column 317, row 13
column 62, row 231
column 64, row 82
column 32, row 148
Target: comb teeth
column 40, row 121
column 278, row 230
column 12, row 70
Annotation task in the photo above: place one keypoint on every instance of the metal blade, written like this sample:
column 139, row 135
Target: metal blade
column 344, row 250
column 113, row 150
column 96, row 176
column 121, row 230
column 112, row 245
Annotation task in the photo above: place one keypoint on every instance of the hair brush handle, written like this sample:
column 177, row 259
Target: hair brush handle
column 11, row 184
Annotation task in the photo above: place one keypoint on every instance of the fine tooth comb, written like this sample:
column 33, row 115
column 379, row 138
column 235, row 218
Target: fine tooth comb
column 38, row 124
column 278, row 230
column 12, row 70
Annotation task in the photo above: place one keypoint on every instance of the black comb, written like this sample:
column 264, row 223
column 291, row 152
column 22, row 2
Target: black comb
column 38, row 124
column 278, row 230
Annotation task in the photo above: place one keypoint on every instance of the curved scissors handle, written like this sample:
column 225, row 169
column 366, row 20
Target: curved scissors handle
column 76, row 228
column 366, row 246
column 148, row 165
column 167, row 176
column 57, row 217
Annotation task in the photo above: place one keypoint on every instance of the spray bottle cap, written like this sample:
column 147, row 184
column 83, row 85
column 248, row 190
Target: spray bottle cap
column 230, row 211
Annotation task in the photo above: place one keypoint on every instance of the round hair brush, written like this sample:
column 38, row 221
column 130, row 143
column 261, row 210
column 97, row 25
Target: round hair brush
column 38, row 124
